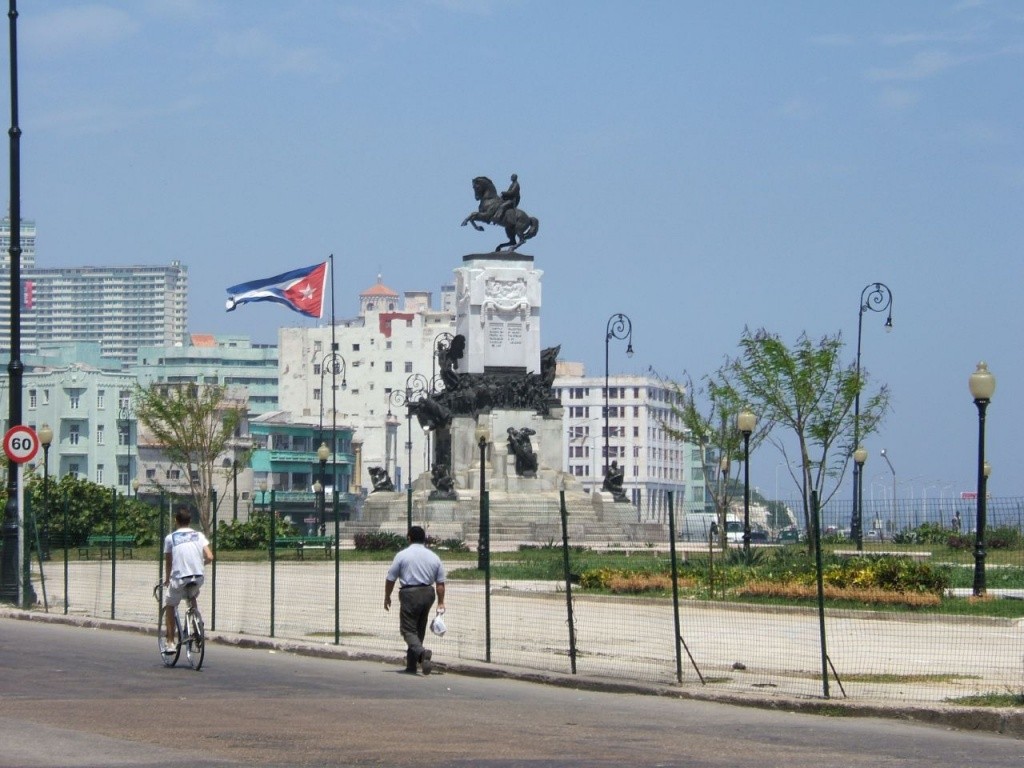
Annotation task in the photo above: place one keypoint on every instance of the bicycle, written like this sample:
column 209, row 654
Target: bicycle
column 188, row 630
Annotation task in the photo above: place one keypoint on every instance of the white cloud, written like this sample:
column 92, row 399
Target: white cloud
column 79, row 28
column 920, row 67
column 898, row 99
column 797, row 108
column 833, row 40
column 255, row 45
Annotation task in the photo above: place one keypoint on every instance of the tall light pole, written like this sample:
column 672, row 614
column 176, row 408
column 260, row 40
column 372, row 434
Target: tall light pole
column 878, row 298
column 983, row 385
column 322, row 454
column 45, row 439
column 859, row 457
column 723, row 484
column 619, row 327
column 745, row 422
column 124, row 417
column 892, row 511
column 15, row 368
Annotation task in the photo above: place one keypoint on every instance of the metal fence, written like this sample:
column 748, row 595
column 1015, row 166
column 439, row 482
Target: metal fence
column 552, row 624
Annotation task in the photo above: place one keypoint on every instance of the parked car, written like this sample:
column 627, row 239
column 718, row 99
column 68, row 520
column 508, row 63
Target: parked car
column 734, row 533
column 789, row 536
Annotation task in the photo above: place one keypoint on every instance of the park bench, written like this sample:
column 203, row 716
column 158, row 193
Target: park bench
column 101, row 543
column 299, row 544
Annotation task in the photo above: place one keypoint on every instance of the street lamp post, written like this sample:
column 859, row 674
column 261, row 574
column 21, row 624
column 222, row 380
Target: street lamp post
column 892, row 507
column 263, row 490
column 878, row 298
column 124, row 417
column 619, row 327
column 746, row 421
column 859, row 457
column 322, row 454
column 723, row 481
column 982, row 385
column 45, row 440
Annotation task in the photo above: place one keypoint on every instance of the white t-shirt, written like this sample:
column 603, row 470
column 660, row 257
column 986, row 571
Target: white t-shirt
column 186, row 549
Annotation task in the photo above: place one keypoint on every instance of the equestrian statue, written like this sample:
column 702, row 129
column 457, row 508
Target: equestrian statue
column 503, row 211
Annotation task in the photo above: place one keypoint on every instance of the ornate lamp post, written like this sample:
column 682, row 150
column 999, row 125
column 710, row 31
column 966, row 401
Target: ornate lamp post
column 878, row 298
column 619, row 327
column 45, row 440
column 124, row 418
column 322, row 454
column 745, row 422
column 983, row 385
column 859, row 457
column 723, row 479
column 442, row 343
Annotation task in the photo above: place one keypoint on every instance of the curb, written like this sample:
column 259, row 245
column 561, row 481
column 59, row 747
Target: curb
column 1006, row 721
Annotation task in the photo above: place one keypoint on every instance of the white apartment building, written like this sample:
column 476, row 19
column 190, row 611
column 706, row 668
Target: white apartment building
column 639, row 409
column 121, row 308
column 386, row 349
column 27, row 239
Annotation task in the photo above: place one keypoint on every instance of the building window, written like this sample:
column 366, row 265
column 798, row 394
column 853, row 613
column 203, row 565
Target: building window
column 100, row 435
column 99, row 474
column 122, row 433
column 316, row 393
column 73, row 434
column 408, row 367
column 73, row 397
column 355, row 347
column 151, row 474
column 73, row 469
column 124, row 400
column 46, row 397
column 32, row 399
column 101, row 395
column 387, row 366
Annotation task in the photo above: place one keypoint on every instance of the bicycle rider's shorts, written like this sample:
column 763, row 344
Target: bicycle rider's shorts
column 182, row 588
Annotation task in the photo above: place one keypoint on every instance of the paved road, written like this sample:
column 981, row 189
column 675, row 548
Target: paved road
column 94, row 697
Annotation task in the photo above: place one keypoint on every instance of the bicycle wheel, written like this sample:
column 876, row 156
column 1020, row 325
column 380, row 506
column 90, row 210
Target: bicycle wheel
column 195, row 647
column 170, row 655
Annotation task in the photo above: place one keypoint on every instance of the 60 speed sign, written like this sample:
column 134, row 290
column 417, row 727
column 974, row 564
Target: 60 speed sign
column 21, row 444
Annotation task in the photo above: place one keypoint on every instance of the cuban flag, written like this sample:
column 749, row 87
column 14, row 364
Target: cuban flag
column 302, row 290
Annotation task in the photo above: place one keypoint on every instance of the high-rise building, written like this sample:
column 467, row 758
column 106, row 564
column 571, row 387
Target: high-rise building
column 27, row 238
column 121, row 308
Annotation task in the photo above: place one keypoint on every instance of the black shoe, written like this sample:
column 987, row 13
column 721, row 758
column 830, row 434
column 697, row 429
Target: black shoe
column 407, row 671
column 425, row 661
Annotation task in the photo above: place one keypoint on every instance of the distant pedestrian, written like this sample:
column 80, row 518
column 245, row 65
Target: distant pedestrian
column 420, row 571
column 955, row 522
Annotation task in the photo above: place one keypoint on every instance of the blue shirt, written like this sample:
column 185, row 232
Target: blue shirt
column 416, row 566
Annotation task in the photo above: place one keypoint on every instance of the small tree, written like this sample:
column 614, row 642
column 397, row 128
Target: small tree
column 805, row 392
column 712, row 424
column 195, row 425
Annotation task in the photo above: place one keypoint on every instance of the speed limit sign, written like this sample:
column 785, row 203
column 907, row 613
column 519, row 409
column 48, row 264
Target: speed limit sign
column 21, row 444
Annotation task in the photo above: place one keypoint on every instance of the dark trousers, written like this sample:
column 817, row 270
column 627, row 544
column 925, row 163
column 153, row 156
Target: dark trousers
column 413, row 619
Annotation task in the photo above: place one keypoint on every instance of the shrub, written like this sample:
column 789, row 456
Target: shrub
column 1003, row 538
column 379, row 541
column 253, row 533
column 447, row 545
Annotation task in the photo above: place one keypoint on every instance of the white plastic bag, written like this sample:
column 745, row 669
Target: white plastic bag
column 437, row 626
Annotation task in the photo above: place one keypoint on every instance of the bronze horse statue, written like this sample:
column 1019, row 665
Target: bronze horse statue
column 519, row 226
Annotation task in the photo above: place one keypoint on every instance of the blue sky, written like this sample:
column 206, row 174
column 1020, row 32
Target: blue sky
column 700, row 167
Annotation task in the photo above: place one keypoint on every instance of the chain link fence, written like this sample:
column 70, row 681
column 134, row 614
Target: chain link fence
column 554, row 586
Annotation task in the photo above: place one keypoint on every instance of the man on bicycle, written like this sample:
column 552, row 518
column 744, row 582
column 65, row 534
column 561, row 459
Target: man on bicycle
column 186, row 552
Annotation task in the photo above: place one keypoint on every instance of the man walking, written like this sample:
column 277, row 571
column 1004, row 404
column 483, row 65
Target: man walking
column 419, row 570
